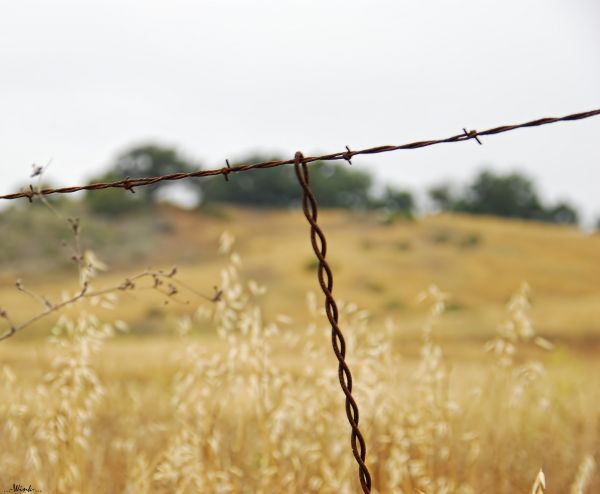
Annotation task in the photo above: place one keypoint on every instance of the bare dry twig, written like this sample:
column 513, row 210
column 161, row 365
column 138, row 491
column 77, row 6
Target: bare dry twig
column 158, row 278
column 87, row 264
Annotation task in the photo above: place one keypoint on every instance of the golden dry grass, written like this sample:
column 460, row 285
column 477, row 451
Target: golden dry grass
column 243, row 396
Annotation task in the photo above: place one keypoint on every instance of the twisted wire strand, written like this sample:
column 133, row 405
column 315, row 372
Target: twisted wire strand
column 325, row 276
column 131, row 183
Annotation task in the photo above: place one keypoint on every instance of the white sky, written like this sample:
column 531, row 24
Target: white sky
column 81, row 80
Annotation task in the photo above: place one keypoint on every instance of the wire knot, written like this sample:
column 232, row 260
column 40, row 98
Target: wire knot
column 30, row 193
column 472, row 134
column 348, row 155
column 298, row 158
column 226, row 171
column 127, row 185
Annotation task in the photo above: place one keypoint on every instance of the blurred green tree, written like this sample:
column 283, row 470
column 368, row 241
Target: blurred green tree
column 150, row 160
column 112, row 202
column 395, row 200
column 563, row 213
column 146, row 160
column 442, row 197
column 512, row 195
column 335, row 185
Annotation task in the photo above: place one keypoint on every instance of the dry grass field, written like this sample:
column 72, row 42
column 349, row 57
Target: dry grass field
column 471, row 387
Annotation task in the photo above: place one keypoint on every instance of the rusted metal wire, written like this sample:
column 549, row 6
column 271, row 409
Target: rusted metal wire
column 309, row 205
column 130, row 183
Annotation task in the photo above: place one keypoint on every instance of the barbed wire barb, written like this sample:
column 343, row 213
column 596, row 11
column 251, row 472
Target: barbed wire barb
column 472, row 134
column 130, row 183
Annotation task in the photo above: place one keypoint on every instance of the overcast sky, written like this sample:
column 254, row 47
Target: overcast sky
column 82, row 80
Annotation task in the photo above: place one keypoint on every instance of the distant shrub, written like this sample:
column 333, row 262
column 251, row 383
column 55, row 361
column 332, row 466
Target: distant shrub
column 389, row 217
column 470, row 240
column 454, row 307
column 367, row 244
column 403, row 245
column 440, row 237
column 312, row 265
column 374, row 286
column 112, row 202
column 394, row 304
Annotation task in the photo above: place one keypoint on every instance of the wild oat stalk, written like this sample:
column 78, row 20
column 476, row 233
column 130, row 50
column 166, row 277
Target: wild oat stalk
column 584, row 475
column 539, row 485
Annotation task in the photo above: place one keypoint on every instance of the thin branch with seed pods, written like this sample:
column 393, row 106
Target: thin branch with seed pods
column 158, row 278
column 84, row 267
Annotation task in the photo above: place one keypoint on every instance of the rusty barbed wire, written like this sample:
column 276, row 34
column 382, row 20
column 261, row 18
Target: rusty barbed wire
column 130, row 183
column 309, row 205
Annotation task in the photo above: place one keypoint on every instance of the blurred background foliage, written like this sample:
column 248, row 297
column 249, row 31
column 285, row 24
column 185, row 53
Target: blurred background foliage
column 511, row 195
column 336, row 185
column 136, row 221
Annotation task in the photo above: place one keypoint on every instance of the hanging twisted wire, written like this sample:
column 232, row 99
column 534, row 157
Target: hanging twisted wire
column 309, row 205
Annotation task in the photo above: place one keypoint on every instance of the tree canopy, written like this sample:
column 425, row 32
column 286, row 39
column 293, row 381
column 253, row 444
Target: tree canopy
column 139, row 161
column 336, row 185
column 511, row 195
column 150, row 160
column 113, row 202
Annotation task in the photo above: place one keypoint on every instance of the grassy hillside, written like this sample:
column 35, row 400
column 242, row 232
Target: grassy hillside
column 379, row 263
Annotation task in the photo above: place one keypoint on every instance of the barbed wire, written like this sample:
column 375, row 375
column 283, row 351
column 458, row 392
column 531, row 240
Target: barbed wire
column 131, row 183
column 325, row 276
